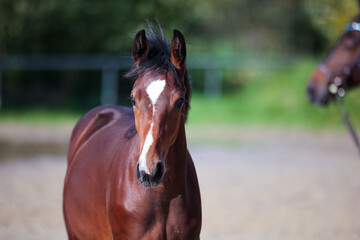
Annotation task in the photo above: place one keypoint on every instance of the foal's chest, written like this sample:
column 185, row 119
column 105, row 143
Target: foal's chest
column 172, row 222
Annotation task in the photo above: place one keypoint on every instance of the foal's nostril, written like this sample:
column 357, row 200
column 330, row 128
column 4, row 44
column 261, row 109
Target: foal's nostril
column 159, row 171
column 311, row 92
column 153, row 179
column 138, row 175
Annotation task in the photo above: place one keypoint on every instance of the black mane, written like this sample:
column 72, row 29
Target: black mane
column 158, row 60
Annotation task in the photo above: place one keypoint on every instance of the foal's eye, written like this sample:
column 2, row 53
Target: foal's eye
column 179, row 103
column 132, row 100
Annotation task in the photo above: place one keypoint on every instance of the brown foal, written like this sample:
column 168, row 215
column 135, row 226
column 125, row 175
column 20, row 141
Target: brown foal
column 130, row 175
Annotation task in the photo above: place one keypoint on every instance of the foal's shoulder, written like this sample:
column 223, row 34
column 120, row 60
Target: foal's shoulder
column 97, row 119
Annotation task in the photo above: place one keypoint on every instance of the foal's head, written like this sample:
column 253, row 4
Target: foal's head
column 160, row 98
column 339, row 70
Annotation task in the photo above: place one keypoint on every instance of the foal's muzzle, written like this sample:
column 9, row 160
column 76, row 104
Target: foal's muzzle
column 318, row 94
column 153, row 179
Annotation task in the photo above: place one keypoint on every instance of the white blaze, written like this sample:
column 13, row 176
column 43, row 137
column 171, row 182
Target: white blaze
column 148, row 142
column 154, row 90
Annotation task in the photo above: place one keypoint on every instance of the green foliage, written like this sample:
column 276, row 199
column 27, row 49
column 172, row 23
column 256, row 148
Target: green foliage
column 79, row 26
column 91, row 26
column 330, row 16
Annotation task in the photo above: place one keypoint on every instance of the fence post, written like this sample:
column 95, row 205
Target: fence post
column 213, row 79
column 109, row 84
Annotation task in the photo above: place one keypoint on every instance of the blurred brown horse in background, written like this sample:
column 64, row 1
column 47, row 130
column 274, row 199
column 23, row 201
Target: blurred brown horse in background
column 340, row 70
column 130, row 175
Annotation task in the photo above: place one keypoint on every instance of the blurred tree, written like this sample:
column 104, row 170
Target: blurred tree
column 79, row 26
column 92, row 26
column 330, row 16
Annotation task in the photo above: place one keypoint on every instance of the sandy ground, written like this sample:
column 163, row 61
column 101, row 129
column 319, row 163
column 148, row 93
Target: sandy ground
column 255, row 183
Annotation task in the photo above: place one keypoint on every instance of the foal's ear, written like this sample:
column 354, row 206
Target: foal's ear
column 140, row 47
column 178, row 50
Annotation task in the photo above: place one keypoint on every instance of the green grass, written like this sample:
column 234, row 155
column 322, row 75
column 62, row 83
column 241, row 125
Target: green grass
column 36, row 116
column 272, row 98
